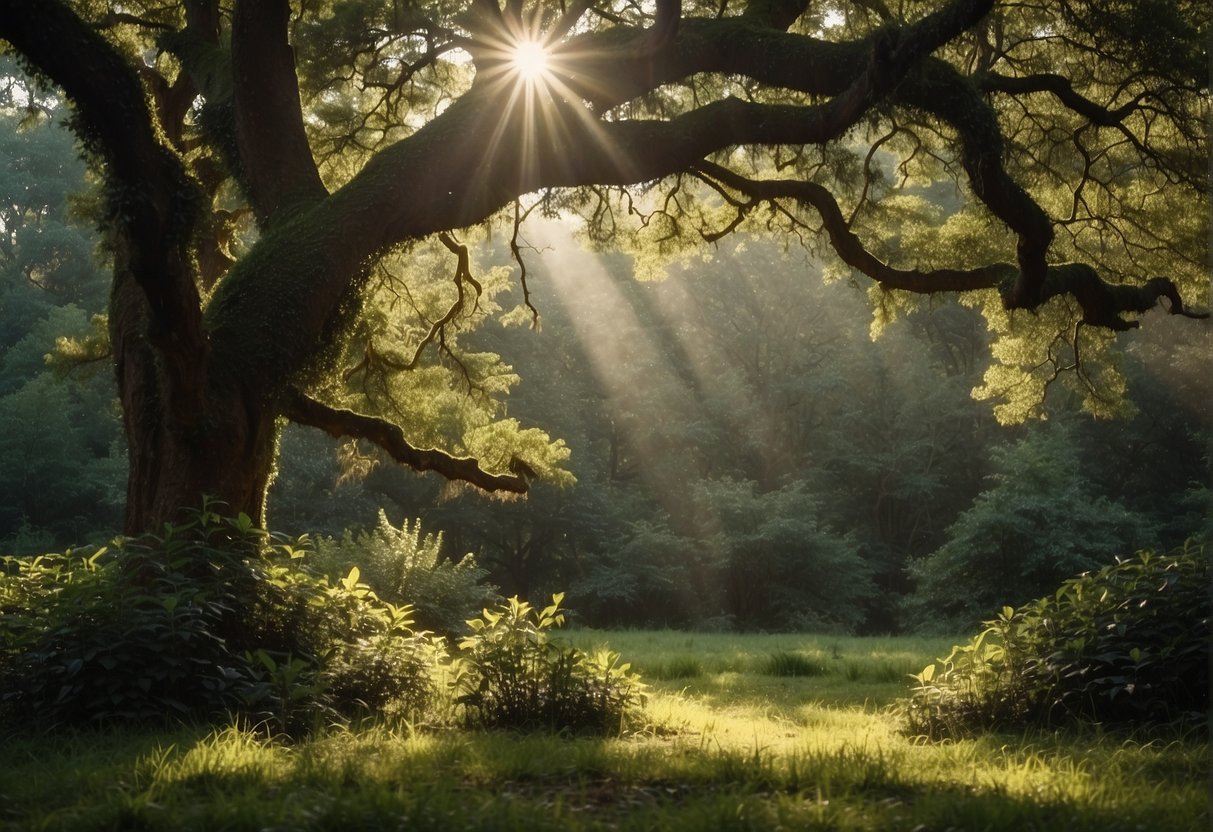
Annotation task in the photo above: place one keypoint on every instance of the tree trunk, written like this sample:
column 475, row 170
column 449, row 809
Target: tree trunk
column 173, row 467
column 192, row 431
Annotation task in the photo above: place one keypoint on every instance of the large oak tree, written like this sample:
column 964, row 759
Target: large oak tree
column 346, row 133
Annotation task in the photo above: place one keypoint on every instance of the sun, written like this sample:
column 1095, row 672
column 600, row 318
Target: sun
column 529, row 59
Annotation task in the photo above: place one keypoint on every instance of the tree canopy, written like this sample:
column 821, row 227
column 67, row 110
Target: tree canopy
column 284, row 180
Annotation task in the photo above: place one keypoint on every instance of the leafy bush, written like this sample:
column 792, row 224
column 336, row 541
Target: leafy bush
column 213, row 618
column 510, row 674
column 405, row 567
column 1129, row 643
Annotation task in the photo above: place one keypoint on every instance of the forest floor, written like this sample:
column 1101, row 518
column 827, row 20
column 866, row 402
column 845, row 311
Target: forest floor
column 729, row 744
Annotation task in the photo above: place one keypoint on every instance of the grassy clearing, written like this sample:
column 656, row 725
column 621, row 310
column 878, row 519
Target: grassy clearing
column 730, row 745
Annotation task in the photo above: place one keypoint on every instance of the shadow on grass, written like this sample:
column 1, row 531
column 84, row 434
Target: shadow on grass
column 383, row 779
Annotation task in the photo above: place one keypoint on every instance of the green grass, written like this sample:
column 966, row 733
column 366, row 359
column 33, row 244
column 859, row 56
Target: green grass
column 729, row 745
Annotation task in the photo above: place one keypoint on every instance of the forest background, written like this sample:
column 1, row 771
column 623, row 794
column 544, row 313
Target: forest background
column 745, row 453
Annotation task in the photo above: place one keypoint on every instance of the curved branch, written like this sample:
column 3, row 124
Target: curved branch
column 848, row 245
column 940, row 90
column 277, row 160
column 153, row 203
column 1102, row 303
column 1061, row 88
column 463, row 274
column 346, row 423
column 602, row 67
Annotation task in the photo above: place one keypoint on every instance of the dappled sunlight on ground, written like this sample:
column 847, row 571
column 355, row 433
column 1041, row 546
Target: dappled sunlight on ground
column 719, row 749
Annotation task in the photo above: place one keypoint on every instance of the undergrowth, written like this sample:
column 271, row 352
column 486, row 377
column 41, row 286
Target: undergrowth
column 511, row 673
column 210, row 620
column 215, row 620
column 1128, row 644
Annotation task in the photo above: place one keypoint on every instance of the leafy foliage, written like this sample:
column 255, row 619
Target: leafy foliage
column 1040, row 521
column 511, row 674
column 60, row 435
column 404, row 566
column 1126, row 644
column 213, row 618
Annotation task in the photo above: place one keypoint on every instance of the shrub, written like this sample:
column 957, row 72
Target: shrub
column 511, row 674
column 213, row 618
column 405, row 567
column 1126, row 644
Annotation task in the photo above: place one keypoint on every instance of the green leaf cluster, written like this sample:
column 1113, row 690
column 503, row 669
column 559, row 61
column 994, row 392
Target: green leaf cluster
column 212, row 619
column 406, row 567
column 1128, row 644
column 510, row 673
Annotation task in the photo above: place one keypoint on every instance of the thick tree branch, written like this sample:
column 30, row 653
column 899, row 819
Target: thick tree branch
column 565, row 23
column 603, row 68
column 345, row 423
column 849, row 247
column 669, row 15
column 480, row 154
column 277, row 161
column 1102, row 303
column 488, row 142
column 153, row 202
column 940, row 90
column 1061, row 88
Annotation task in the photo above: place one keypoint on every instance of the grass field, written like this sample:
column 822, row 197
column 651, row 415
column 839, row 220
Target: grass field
column 743, row 732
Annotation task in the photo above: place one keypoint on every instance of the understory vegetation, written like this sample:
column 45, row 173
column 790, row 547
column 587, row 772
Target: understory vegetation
column 1128, row 644
column 218, row 620
column 326, row 709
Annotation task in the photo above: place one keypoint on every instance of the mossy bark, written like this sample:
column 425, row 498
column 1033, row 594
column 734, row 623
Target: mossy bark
column 221, row 444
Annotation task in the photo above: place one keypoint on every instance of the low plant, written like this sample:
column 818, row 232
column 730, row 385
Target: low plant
column 406, row 567
column 510, row 673
column 789, row 663
column 678, row 667
column 1127, row 644
column 213, row 618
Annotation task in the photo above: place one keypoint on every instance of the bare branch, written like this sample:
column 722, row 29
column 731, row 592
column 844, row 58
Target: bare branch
column 848, row 245
column 516, row 253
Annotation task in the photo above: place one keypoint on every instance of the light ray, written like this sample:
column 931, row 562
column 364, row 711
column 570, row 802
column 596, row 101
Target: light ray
column 616, row 342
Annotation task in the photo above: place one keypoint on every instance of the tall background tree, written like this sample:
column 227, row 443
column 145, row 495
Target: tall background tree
column 282, row 182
